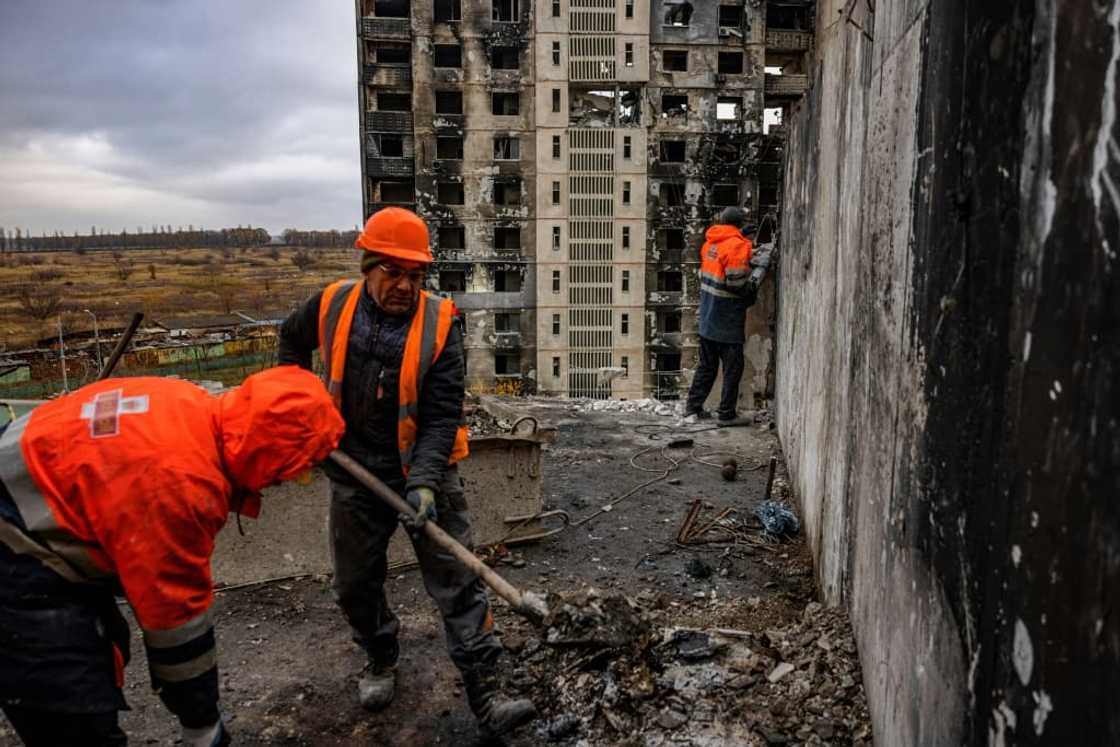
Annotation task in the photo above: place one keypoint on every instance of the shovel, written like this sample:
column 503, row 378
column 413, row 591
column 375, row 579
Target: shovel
column 525, row 603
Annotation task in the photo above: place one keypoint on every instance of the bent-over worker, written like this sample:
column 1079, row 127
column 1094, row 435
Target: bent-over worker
column 121, row 488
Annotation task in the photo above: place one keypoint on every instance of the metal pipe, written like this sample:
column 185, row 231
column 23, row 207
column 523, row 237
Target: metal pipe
column 122, row 343
column 62, row 355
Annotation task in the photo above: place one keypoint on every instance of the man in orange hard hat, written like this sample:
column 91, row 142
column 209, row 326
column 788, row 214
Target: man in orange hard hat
column 121, row 488
column 393, row 362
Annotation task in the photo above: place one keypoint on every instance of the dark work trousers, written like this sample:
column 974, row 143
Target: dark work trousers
column 712, row 355
column 54, row 729
column 361, row 527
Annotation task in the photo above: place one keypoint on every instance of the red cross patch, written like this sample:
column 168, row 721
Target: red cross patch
column 105, row 410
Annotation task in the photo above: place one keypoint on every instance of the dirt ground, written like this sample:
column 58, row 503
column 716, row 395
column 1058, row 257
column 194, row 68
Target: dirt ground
column 288, row 667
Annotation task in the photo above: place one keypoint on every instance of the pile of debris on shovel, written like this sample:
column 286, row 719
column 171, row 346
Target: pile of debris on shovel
column 611, row 670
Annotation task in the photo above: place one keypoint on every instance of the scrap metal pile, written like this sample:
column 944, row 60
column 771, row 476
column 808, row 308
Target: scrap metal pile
column 623, row 671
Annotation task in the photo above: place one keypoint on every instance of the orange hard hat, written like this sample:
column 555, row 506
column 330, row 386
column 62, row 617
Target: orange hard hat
column 396, row 232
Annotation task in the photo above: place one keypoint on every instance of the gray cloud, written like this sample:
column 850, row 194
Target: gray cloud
column 209, row 112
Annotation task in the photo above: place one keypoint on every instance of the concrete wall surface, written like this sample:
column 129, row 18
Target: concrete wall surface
column 948, row 360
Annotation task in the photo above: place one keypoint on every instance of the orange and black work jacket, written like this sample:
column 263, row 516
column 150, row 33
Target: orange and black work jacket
column 398, row 380
column 724, row 270
column 123, row 485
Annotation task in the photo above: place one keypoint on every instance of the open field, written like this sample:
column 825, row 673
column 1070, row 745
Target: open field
column 163, row 283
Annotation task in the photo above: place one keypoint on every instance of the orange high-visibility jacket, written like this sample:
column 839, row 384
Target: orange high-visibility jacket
column 133, row 478
column 724, row 270
column 427, row 335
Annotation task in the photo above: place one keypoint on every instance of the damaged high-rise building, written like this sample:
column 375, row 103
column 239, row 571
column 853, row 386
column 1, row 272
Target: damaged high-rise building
column 568, row 156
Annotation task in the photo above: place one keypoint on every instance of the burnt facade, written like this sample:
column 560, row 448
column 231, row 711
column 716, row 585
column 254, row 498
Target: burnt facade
column 568, row 155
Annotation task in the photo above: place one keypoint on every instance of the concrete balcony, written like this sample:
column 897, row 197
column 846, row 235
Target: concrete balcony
column 388, row 122
column 389, row 76
column 785, row 87
column 386, row 28
column 507, row 341
column 382, row 167
column 780, row 40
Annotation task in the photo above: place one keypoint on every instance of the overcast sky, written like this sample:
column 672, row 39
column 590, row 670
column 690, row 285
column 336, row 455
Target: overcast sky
column 126, row 113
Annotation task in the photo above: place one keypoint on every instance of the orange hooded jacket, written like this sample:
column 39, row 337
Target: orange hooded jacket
column 133, row 478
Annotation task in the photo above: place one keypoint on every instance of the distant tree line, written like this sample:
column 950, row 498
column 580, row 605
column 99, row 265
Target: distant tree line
column 158, row 237
column 320, row 239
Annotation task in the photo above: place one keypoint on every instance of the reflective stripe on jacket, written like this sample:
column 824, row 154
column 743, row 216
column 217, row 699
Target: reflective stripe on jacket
column 427, row 335
column 724, row 271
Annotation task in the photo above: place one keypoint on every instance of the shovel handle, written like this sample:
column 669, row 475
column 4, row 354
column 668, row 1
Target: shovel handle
column 501, row 587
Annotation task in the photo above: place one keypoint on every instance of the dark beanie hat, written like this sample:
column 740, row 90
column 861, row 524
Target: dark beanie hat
column 370, row 260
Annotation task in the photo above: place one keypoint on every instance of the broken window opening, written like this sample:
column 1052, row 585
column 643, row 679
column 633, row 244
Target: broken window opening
column 507, row 193
column 385, row 53
column 389, row 146
column 556, row 100
column 667, row 362
column 730, row 63
column 507, row 321
column 674, row 105
column 449, row 102
column 555, row 8
column 507, row 281
column 396, row 192
column 669, row 322
column 556, row 193
column 670, row 281
column 678, row 14
column 626, row 193
column 450, row 193
column 629, row 54
column 626, row 237
column 391, row 8
column 555, row 281
column 555, row 324
column 625, row 324
column 507, row 364
column 556, row 238
column 625, row 366
column 505, row 58
column 674, row 239
column 674, row 61
column 725, row 195
column 505, row 103
column 555, row 53
column 393, row 102
column 629, row 8
column 452, row 237
column 505, row 11
column 728, row 108
column 448, row 11
column 448, row 55
column 556, row 146
column 449, row 148
column 507, row 237
column 507, row 148
column 555, row 367
column 627, row 147
column 672, row 151
column 625, row 281
column 672, row 194
column 453, row 281
column 730, row 17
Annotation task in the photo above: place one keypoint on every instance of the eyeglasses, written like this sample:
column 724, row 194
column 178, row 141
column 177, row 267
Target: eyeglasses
column 394, row 273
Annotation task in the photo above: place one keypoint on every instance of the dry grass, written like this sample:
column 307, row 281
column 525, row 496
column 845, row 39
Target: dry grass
column 187, row 283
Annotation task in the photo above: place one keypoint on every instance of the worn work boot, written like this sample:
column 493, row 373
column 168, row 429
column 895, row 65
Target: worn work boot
column 376, row 685
column 496, row 714
column 700, row 414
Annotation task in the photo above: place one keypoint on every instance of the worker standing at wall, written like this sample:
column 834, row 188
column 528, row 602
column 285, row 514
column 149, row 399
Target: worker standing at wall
column 393, row 361
column 724, row 300
column 121, row 487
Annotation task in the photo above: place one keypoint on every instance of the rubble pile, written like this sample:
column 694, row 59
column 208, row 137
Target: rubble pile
column 617, row 670
column 653, row 406
column 483, row 423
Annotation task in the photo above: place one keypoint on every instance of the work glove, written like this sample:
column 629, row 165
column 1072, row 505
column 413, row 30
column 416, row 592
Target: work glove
column 423, row 502
column 206, row 736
